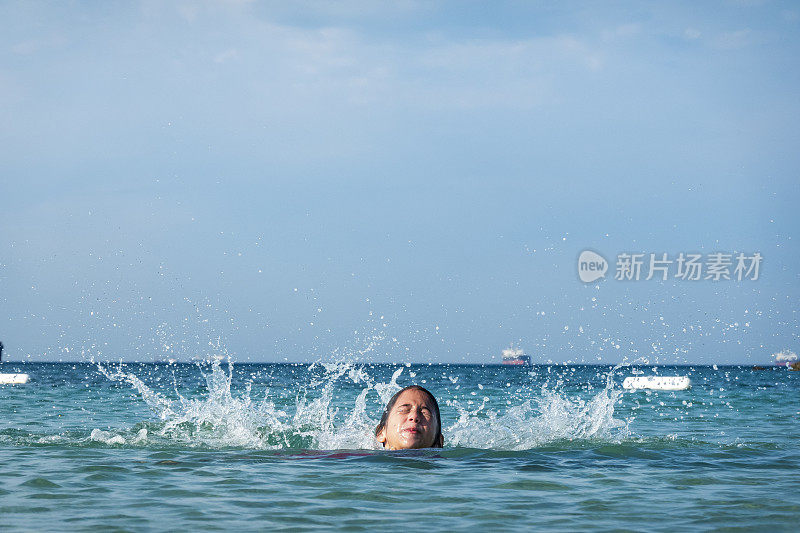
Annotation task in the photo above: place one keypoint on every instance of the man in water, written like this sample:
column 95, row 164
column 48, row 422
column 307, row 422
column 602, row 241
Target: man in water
column 1, row 352
column 411, row 420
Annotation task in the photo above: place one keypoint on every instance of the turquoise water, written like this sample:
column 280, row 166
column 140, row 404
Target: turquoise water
column 276, row 446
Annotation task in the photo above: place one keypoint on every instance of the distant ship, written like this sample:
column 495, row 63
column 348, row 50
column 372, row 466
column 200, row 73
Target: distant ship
column 515, row 356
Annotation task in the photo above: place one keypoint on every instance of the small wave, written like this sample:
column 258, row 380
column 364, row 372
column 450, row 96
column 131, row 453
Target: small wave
column 110, row 438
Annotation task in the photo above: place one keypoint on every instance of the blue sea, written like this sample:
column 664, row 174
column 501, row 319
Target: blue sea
column 227, row 446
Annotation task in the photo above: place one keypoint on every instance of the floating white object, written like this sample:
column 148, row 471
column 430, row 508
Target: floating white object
column 13, row 379
column 657, row 382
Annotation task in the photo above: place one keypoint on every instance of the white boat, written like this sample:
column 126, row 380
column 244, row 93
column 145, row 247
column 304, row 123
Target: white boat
column 657, row 382
column 13, row 379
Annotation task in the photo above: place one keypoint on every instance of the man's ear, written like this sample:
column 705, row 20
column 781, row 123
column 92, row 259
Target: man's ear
column 381, row 436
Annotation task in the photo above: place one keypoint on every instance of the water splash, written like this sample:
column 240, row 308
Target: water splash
column 221, row 418
column 157, row 402
column 551, row 416
column 321, row 417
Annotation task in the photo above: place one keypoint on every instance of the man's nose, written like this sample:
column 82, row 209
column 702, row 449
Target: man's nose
column 414, row 415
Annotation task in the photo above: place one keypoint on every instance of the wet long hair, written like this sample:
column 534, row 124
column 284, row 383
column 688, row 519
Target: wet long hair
column 438, row 440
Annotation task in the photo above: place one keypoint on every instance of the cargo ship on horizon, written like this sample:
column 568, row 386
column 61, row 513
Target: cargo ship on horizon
column 515, row 356
column 785, row 358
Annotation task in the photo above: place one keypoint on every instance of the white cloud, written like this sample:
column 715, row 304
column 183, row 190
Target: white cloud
column 691, row 34
column 623, row 31
column 226, row 55
column 733, row 40
column 33, row 46
column 790, row 15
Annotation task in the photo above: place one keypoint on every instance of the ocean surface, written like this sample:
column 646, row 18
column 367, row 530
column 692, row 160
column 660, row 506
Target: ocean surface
column 221, row 446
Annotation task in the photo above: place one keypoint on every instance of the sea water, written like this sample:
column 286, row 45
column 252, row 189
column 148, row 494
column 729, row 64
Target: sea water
column 225, row 446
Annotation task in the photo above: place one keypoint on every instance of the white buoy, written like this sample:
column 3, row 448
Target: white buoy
column 657, row 382
column 13, row 379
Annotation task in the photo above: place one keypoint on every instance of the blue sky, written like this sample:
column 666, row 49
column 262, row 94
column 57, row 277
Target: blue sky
column 398, row 181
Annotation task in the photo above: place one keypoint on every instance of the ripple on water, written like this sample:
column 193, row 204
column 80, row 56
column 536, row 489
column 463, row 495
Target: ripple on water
column 40, row 483
column 53, row 496
column 357, row 496
column 533, row 485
